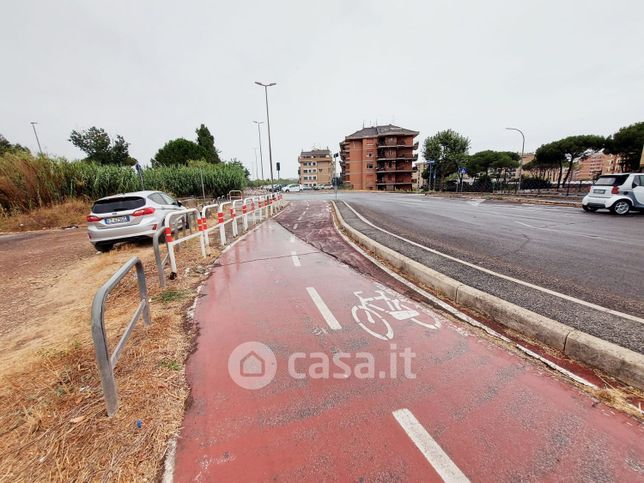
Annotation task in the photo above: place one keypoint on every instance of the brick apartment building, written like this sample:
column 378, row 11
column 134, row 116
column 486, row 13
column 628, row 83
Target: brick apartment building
column 379, row 158
column 316, row 167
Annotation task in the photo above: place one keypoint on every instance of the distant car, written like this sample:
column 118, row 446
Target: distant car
column 618, row 193
column 325, row 186
column 292, row 188
column 127, row 217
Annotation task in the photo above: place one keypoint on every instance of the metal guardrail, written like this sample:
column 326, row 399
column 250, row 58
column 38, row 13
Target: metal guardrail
column 107, row 362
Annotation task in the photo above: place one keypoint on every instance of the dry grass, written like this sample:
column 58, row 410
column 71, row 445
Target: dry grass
column 53, row 423
column 71, row 212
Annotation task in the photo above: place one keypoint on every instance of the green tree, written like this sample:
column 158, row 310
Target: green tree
column 449, row 150
column 566, row 150
column 207, row 141
column 238, row 163
column 499, row 162
column 178, row 152
column 7, row 147
column 627, row 144
column 99, row 148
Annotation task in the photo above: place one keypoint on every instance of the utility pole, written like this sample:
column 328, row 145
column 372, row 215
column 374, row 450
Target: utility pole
column 522, row 153
column 259, row 134
column 268, row 125
column 33, row 125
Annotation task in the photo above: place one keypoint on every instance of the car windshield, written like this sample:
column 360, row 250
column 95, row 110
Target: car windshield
column 611, row 180
column 118, row 204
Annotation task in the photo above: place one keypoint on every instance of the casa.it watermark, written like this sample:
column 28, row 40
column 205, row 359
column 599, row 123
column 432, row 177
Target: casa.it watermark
column 253, row 365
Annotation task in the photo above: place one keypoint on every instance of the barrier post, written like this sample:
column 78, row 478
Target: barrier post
column 244, row 215
column 233, row 219
column 222, row 227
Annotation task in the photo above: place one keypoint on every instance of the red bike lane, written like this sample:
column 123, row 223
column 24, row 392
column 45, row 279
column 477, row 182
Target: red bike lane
column 467, row 408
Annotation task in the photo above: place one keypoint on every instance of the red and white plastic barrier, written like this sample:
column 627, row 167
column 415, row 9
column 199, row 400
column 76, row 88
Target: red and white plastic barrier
column 255, row 208
column 172, row 242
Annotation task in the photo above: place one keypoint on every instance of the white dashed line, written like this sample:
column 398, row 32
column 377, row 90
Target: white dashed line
column 329, row 318
column 430, row 449
column 296, row 259
column 295, row 226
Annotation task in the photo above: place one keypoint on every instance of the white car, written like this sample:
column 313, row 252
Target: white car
column 292, row 188
column 128, row 216
column 618, row 193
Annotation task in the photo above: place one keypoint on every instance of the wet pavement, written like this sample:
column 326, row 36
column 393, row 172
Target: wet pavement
column 356, row 381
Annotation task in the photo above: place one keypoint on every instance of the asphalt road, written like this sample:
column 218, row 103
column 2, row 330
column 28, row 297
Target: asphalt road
column 596, row 257
column 266, row 407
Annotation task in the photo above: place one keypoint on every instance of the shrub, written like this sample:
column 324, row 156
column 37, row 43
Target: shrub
column 27, row 182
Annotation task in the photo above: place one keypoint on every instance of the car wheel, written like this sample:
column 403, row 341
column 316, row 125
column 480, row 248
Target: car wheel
column 590, row 209
column 620, row 207
column 104, row 247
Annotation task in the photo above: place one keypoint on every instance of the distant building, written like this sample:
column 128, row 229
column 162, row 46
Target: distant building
column 417, row 180
column 316, row 167
column 585, row 168
column 379, row 158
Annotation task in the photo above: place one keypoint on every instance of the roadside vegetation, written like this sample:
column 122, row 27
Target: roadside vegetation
column 32, row 184
column 449, row 152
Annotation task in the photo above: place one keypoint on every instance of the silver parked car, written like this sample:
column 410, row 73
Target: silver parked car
column 618, row 193
column 128, row 216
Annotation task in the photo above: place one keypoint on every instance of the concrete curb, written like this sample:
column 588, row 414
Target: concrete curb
column 617, row 361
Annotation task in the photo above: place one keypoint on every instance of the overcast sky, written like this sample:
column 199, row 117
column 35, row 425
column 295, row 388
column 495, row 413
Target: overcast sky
column 154, row 70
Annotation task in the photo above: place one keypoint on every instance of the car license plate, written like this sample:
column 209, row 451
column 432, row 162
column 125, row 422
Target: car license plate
column 116, row 219
column 599, row 192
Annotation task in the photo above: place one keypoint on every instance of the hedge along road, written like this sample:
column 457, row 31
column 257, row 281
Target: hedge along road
column 593, row 257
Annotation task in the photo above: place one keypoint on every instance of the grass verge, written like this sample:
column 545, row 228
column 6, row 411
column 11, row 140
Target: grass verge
column 53, row 423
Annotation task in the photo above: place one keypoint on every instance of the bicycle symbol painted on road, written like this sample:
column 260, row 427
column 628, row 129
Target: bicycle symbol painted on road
column 372, row 312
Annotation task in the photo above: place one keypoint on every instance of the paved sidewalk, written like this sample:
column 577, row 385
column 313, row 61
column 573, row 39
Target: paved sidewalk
column 473, row 411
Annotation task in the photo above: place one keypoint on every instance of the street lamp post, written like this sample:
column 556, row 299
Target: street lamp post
column 259, row 134
column 268, row 125
column 255, row 149
column 522, row 153
column 33, row 125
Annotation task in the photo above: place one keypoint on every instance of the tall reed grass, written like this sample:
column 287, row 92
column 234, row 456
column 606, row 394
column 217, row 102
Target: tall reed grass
column 27, row 182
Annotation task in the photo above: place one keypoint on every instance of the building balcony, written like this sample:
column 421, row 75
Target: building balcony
column 404, row 169
column 393, row 183
column 413, row 157
column 384, row 145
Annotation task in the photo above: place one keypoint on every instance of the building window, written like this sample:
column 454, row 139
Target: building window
column 370, row 166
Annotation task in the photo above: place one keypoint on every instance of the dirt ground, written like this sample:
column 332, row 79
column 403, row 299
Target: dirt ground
column 54, row 424
column 48, row 281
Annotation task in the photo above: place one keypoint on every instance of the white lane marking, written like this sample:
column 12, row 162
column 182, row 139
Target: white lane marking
column 525, row 224
column 296, row 259
column 500, row 275
column 292, row 239
column 328, row 316
column 431, row 450
column 295, row 226
column 586, row 235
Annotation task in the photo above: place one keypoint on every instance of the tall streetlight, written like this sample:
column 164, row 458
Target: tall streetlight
column 259, row 133
column 33, row 125
column 255, row 149
column 268, row 125
column 522, row 153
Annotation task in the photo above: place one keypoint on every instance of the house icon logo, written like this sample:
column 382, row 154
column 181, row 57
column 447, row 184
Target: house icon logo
column 252, row 365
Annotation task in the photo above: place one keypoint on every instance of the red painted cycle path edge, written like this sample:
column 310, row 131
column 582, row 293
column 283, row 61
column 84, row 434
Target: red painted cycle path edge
column 496, row 415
